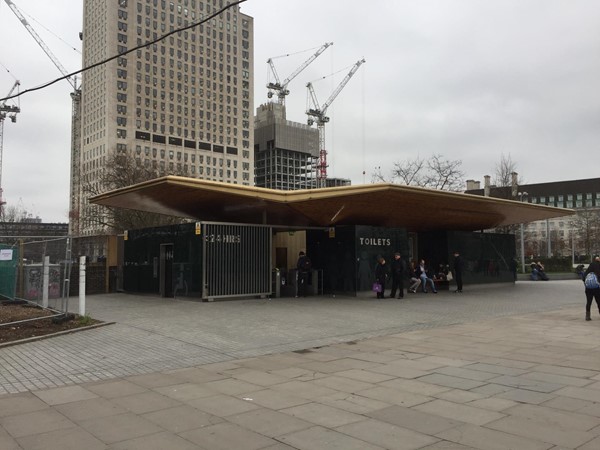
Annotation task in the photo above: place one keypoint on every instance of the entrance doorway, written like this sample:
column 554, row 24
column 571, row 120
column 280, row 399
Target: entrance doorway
column 166, row 270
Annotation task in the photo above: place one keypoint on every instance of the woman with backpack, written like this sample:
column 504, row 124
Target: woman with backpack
column 592, row 286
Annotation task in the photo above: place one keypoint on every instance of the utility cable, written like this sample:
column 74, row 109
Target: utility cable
column 147, row 44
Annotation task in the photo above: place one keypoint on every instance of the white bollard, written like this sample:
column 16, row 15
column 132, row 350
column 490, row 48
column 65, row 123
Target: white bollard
column 82, row 286
column 45, row 281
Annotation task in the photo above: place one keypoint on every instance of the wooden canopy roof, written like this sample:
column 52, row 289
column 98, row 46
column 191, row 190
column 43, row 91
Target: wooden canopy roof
column 391, row 205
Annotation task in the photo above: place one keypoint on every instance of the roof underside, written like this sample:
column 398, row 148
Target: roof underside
column 391, row 205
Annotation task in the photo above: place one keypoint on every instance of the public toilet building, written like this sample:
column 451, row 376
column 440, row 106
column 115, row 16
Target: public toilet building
column 243, row 241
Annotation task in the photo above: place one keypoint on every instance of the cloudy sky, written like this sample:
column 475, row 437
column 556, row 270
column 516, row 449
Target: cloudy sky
column 469, row 79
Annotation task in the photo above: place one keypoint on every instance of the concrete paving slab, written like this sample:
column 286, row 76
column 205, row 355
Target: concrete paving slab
column 159, row 441
column 525, row 396
column 493, row 404
column 559, row 379
column 145, row 402
column 7, row 442
column 356, row 404
column 67, row 394
column 227, row 436
column 457, row 411
column 76, row 439
column 451, row 381
column 121, row 427
column 526, row 427
column 182, row 418
column 447, row 445
column 319, row 438
column 459, row 396
column 20, row 404
column 365, row 375
column 222, row 405
column 89, row 409
column 395, row 397
column 553, row 418
column 343, row 384
column 414, row 419
column 186, row 391
column 276, row 400
column 580, row 393
column 415, row 386
column 115, row 389
column 35, row 423
column 269, row 423
column 526, row 383
column 322, row 415
column 486, row 439
column 567, row 403
column 304, row 389
column 256, row 377
column 386, row 435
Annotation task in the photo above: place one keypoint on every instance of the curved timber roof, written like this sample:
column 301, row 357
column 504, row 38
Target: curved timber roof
column 391, row 205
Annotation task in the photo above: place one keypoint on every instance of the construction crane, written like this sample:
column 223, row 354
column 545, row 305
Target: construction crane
column 318, row 114
column 281, row 87
column 75, row 116
column 9, row 111
column 40, row 42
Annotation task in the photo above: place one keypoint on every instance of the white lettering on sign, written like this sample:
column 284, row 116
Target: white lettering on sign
column 378, row 242
column 223, row 238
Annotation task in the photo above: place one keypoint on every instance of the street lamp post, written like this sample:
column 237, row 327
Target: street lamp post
column 522, row 195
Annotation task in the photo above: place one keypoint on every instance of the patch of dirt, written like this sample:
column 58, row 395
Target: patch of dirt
column 14, row 312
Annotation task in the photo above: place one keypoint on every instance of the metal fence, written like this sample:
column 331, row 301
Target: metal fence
column 38, row 270
column 236, row 260
column 45, row 271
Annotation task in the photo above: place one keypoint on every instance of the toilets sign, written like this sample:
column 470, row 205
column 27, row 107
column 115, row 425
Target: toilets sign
column 374, row 242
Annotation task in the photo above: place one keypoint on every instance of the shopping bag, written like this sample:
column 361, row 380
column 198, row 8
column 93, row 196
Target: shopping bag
column 376, row 287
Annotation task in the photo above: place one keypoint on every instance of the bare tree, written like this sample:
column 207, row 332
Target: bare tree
column 503, row 171
column 444, row 174
column 586, row 225
column 122, row 171
column 14, row 213
column 435, row 172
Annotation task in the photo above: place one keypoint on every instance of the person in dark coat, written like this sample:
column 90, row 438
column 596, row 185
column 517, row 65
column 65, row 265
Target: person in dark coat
column 458, row 271
column 381, row 275
column 398, row 274
column 592, row 293
column 304, row 266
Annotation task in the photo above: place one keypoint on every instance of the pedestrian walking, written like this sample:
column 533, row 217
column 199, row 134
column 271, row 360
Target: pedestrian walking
column 398, row 274
column 381, row 273
column 304, row 267
column 592, row 286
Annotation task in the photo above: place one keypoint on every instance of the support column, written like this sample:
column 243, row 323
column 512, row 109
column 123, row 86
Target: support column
column 82, row 285
column 45, row 282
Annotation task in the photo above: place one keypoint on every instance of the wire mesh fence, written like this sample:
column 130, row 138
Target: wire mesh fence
column 44, row 270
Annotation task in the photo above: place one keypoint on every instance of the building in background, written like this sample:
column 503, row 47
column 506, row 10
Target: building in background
column 182, row 105
column 286, row 153
column 577, row 235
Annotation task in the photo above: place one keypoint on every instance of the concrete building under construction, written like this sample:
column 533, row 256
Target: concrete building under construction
column 286, row 153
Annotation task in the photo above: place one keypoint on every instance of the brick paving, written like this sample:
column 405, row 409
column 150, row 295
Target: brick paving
column 497, row 367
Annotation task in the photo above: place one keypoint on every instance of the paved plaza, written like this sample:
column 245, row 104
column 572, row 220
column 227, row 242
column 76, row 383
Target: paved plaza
column 498, row 367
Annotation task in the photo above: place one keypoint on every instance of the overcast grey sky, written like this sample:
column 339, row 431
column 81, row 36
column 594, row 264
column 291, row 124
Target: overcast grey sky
column 468, row 79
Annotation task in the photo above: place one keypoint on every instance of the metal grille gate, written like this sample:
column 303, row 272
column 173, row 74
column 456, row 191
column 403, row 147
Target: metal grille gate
column 236, row 260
